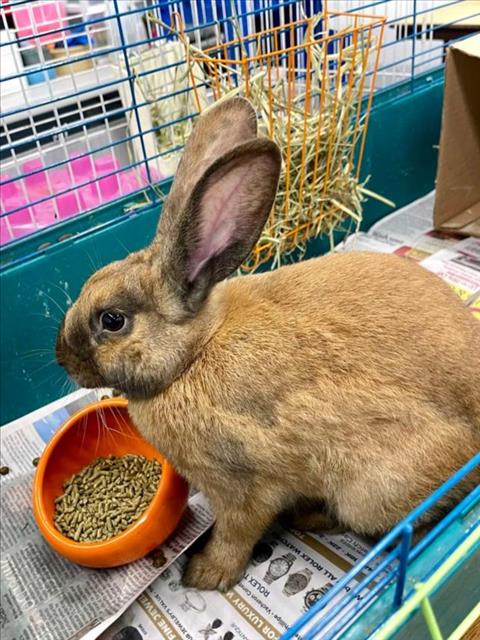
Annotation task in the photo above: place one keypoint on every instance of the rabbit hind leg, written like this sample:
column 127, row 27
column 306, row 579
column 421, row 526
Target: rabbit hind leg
column 387, row 488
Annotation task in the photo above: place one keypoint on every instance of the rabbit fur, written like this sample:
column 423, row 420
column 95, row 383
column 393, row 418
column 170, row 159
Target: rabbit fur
column 340, row 390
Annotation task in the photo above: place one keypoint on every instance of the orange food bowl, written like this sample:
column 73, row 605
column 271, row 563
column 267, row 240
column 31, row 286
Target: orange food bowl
column 101, row 429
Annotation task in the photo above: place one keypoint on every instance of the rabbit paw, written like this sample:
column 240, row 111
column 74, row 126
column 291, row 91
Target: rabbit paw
column 204, row 573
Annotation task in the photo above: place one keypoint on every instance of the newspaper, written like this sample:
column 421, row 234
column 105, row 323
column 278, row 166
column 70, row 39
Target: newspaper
column 288, row 573
column 44, row 596
column 408, row 232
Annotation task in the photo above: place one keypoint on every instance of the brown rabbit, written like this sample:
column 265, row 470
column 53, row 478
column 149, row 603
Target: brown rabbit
column 343, row 389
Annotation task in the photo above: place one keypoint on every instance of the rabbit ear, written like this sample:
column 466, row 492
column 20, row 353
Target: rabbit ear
column 220, row 222
column 218, row 130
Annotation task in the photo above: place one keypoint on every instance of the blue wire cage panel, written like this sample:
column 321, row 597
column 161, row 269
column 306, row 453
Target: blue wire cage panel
column 400, row 567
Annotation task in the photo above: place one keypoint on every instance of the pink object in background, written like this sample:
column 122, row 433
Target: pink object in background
column 105, row 164
column 89, row 197
column 109, row 186
column 129, row 182
column 68, row 203
column 5, row 235
column 82, row 168
column 36, row 184
column 20, row 222
column 135, row 179
column 35, row 18
column 102, row 188
column 23, row 220
column 61, row 175
column 8, row 190
column 83, row 171
column 16, row 224
column 153, row 174
column 44, row 214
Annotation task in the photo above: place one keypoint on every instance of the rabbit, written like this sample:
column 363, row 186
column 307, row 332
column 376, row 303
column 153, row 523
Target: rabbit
column 341, row 390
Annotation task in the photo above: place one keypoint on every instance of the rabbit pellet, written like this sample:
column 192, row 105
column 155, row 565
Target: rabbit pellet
column 106, row 497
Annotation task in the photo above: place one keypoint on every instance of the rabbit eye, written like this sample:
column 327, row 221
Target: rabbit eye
column 112, row 321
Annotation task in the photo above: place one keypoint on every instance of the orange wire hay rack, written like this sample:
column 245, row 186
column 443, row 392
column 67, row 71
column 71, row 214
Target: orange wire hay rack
column 311, row 82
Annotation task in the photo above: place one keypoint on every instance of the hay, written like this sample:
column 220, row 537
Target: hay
column 314, row 117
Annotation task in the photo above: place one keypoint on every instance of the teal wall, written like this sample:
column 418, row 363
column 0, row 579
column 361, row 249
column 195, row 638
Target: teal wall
column 400, row 155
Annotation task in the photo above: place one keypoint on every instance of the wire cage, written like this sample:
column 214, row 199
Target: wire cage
column 97, row 100
column 98, row 97
column 311, row 79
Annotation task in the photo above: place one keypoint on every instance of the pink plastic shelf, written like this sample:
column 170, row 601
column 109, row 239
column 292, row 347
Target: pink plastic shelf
column 45, row 183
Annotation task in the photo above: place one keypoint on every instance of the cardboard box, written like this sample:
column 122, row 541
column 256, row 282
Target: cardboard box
column 457, row 199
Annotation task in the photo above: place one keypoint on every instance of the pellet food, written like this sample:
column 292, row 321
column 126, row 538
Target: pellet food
column 158, row 558
column 106, row 497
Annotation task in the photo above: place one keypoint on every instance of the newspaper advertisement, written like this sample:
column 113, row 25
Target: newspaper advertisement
column 44, row 596
column 459, row 265
column 288, row 573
